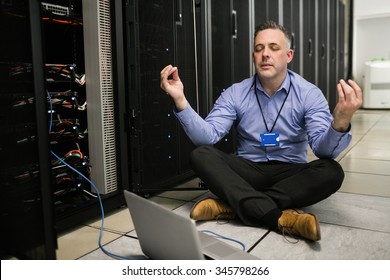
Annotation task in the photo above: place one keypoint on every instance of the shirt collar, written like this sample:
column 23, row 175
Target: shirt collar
column 284, row 87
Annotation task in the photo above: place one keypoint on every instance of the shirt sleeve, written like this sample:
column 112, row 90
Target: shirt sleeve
column 214, row 127
column 324, row 140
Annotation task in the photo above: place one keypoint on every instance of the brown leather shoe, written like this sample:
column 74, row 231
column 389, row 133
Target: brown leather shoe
column 296, row 222
column 211, row 209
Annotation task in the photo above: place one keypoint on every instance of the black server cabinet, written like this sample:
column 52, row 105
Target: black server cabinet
column 230, row 52
column 222, row 45
column 158, row 33
column 224, row 31
column 341, row 40
column 62, row 29
column 308, row 40
column 242, row 43
column 26, row 198
column 266, row 10
column 74, row 198
column 46, row 196
column 322, row 47
column 333, row 52
column 337, row 41
column 291, row 18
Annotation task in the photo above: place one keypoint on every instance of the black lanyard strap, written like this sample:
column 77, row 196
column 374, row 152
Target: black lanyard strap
column 261, row 109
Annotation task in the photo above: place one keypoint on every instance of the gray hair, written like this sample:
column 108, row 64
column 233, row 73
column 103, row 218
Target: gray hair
column 273, row 25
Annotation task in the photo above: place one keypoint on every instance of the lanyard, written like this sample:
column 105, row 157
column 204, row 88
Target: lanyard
column 261, row 109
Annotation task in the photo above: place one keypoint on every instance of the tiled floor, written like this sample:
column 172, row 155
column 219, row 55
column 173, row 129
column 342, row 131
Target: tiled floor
column 355, row 222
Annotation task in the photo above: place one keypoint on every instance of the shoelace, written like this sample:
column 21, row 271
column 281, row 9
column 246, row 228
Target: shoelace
column 285, row 230
column 226, row 216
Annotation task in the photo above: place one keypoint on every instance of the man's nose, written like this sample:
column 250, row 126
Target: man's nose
column 266, row 53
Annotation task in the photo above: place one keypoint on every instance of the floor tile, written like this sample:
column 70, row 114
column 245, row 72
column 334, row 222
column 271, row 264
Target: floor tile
column 354, row 210
column 374, row 137
column 376, row 153
column 361, row 127
column 167, row 202
column 121, row 248
column 373, row 144
column 337, row 243
column 384, row 132
column 80, row 242
column 118, row 221
column 368, row 184
column 367, row 166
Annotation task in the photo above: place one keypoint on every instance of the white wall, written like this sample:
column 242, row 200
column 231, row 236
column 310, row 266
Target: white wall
column 371, row 34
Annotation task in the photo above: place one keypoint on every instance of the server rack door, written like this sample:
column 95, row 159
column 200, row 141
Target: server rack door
column 222, row 46
column 308, row 38
column 273, row 10
column 261, row 13
column 26, row 201
column 222, row 57
column 242, row 41
column 291, row 15
column 338, row 59
column 322, row 47
column 332, row 53
column 159, row 33
column 266, row 10
column 186, row 60
column 158, row 139
column 341, row 40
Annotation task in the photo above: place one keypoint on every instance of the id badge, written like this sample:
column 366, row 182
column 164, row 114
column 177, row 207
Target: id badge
column 269, row 139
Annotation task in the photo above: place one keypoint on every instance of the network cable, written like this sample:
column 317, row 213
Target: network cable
column 224, row 237
column 97, row 193
column 102, row 208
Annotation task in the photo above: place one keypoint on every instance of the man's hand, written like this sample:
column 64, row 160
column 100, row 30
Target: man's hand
column 173, row 87
column 350, row 100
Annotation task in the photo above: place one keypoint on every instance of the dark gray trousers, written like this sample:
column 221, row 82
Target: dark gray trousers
column 257, row 191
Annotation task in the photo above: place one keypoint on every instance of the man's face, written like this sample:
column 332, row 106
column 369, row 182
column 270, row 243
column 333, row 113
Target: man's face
column 271, row 54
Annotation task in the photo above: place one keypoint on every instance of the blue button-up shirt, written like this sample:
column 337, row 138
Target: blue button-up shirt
column 304, row 119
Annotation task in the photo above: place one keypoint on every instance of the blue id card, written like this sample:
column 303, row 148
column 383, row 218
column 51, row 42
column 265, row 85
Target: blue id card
column 269, row 139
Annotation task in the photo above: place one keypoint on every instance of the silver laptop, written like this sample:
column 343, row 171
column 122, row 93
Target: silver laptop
column 165, row 235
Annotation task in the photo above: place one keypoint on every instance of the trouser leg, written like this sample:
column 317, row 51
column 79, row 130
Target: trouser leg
column 231, row 178
column 258, row 192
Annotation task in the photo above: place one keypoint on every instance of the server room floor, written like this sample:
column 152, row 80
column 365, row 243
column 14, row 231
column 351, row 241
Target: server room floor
column 355, row 221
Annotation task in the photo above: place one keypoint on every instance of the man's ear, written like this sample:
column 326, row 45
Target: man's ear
column 290, row 55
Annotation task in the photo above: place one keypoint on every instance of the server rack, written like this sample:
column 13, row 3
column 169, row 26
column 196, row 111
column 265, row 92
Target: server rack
column 322, row 47
column 158, row 33
column 86, row 155
column 291, row 18
column 44, row 113
column 267, row 10
column 334, row 30
column 26, row 198
column 309, row 43
column 230, row 50
column 341, row 40
column 223, row 56
column 243, row 39
column 62, row 26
